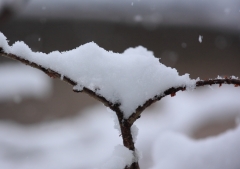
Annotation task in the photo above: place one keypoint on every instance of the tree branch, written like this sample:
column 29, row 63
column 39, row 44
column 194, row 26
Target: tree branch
column 226, row 80
column 172, row 91
column 53, row 74
column 125, row 124
column 115, row 106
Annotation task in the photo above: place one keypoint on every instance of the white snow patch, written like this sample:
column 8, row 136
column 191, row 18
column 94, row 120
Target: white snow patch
column 231, row 77
column 177, row 118
column 234, row 77
column 18, row 81
column 121, row 158
column 219, row 77
column 121, row 78
column 85, row 141
column 137, row 155
column 134, row 131
column 115, row 119
column 4, row 43
column 175, row 150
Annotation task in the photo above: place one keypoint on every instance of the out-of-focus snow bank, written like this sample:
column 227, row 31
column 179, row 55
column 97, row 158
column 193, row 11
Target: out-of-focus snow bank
column 165, row 138
column 170, row 131
column 86, row 141
column 18, row 81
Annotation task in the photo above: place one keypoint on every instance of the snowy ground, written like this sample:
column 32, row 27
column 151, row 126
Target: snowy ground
column 165, row 137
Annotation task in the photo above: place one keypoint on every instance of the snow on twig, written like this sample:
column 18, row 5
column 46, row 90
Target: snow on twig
column 128, row 79
column 127, row 82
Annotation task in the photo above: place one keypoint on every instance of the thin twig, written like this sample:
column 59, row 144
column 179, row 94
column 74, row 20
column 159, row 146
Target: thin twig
column 226, row 80
column 172, row 91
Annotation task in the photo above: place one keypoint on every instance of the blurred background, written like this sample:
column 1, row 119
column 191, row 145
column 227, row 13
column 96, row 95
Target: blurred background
column 37, row 109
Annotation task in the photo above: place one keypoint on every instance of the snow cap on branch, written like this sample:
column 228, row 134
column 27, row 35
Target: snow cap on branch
column 129, row 78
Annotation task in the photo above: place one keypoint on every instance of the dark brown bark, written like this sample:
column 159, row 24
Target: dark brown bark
column 128, row 140
column 133, row 166
column 126, row 134
column 226, row 80
column 172, row 91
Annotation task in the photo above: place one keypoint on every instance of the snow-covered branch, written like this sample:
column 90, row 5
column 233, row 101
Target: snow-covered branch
column 127, row 80
column 127, row 83
column 53, row 74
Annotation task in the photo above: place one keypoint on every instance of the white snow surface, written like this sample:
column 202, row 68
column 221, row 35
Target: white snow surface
column 134, row 132
column 164, row 140
column 120, row 158
column 18, row 81
column 129, row 78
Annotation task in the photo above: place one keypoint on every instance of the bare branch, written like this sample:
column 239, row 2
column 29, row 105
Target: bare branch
column 226, row 80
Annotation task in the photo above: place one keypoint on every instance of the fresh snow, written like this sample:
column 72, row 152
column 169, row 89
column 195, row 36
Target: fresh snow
column 234, row 77
column 129, row 78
